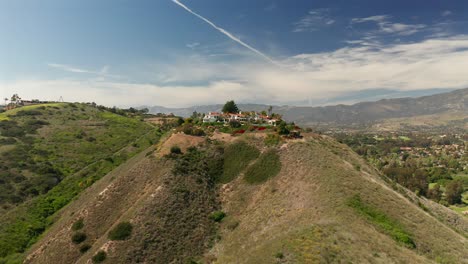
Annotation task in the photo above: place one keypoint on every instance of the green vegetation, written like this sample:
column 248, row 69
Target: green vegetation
column 217, row 216
column 272, row 140
column 237, row 157
column 382, row 221
column 268, row 165
column 430, row 165
column 57, row 151
column 84, row 248
column 230, row 107
column 99, row 257
column 78, row 237
column 121, row 232
column 454, row 191
column 79, row 224
column 279, row 255
column 176, row 150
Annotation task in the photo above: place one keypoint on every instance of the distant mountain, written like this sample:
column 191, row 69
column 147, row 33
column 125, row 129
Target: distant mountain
column 363, row 112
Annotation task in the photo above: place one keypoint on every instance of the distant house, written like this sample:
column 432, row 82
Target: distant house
column 212, row 117
column 246, row 117
column 239, row 117
column 272, row 122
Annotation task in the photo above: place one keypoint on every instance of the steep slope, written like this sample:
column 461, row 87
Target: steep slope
column 304, row 215
column 303, row 201
column 48, row 154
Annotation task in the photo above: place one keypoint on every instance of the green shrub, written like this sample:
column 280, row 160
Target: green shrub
column 217, row 216
column 121, row 232
column 237, row 156
column 272, row 140
column 176, row 150
column 99, row 257
column 381, row 220
column 79, row 224
column 234, row 124
column 279, row 255
column 267, row 166
column 84, row 248
column 78, row 237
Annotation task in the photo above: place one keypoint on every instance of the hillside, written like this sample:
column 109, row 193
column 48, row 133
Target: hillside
column 448, row 104
column 49, row 154
column 237, row 200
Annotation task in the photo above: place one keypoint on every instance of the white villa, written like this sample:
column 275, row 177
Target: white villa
column 254, row 117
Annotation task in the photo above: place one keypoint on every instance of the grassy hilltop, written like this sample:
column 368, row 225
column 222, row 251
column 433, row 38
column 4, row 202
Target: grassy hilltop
column 49, row 154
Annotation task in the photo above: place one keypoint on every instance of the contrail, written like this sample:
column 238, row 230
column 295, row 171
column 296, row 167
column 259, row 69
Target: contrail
column 229, row 35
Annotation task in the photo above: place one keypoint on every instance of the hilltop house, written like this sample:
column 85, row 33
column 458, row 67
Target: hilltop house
column 212, row 117
column 253, row 117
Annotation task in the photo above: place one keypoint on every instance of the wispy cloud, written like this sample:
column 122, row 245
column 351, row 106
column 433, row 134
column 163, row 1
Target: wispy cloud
column 69, row 68
column 192, row 45
column 385, row 26
column 271, row 7
column 103, row 72
column 225, row 32
column 377, row 19
column 446, row 13
column 315, row 20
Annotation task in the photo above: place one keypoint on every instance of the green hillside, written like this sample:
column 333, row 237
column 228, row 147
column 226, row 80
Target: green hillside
column 49, row 154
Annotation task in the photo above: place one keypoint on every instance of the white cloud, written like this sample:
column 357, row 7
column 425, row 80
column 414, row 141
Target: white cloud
column 385, row 26
column 446, row 13
column 432, row 63
column 69, row 68
column 315, row 20
column 192, row 45
column 103, row 72
column 379, row 18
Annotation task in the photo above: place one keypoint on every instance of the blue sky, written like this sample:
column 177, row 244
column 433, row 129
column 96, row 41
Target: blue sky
column 189, row 52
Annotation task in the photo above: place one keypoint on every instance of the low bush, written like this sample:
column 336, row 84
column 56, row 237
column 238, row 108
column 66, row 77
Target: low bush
column 381, row 220
column 79, row 224
column 236, row 157
column 78, row 237
column 272, row 140
column 84, row 248
column 267, row 166
column 217, row 216
column 279, row 255
column 99, row 257
column 121, row 232
column 176, row 150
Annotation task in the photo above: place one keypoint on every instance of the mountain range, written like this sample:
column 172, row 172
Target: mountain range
column 359, row 113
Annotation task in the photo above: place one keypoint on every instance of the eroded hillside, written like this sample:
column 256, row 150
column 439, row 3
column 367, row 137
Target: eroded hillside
column 237, row 200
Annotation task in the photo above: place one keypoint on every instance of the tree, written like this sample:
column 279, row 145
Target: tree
column 283, row 129
column 435, row 193
column 230, row 107
column 15, row 99
column 453, row 191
